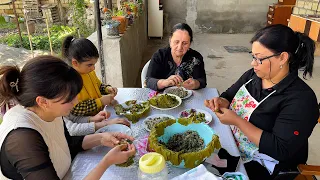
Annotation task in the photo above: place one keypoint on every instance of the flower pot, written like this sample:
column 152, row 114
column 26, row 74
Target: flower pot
column 7, row 18
column 31, row 27
column 135, row 9
column 112, row 27
column 122, row 20
column 12, row 19
column 130, row 19
column 22, row 26
column 127, row 21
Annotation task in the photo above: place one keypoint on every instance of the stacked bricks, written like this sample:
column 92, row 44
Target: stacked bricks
column 307, row 7
column 8, row 9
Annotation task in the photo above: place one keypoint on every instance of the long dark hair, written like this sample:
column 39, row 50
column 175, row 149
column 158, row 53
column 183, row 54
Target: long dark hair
column 184, row 27
column 80, row 49
column 45, row 76
column 280, row 38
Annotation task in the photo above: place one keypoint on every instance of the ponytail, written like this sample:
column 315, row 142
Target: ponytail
column 9, row 83
column 280, row 38
column 45, row 76
column 304, row 54
column 66, row 46
column 80, row 49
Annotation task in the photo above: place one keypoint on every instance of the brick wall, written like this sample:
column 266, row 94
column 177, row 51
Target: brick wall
column 8, row 9
column 307, row 7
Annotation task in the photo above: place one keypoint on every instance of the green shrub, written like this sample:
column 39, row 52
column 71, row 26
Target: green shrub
column 5, row 25
column 41, row 41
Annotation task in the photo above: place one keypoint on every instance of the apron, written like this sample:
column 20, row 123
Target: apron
column 243, row 104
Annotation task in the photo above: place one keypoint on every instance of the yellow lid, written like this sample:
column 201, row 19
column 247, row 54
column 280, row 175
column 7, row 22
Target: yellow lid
column 152, row 163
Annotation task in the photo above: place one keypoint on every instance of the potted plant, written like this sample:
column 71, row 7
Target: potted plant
column 119, row 15
column 22, row 24
column 6, row 18
column 130, row 18
column 111, row 25
column 140, row 7
column 131, row 7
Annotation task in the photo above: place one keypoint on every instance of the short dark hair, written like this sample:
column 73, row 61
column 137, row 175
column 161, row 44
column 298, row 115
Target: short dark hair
column 182, row 26
column 45, row 76
column 280, row 38
column 80, row 49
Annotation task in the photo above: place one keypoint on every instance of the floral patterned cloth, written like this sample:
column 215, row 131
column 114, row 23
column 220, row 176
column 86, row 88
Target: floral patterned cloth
column 185, row 69
column 243, row 104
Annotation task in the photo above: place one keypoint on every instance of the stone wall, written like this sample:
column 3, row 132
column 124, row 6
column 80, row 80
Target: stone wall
column 217, row 16
column 123, row 56
column 307, row 7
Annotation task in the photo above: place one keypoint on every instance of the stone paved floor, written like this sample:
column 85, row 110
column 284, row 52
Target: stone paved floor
column 16, row 56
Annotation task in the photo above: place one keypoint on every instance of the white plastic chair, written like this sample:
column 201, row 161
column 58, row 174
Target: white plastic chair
column 144, row 73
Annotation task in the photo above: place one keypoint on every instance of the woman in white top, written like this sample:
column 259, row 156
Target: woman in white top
column 35, row 143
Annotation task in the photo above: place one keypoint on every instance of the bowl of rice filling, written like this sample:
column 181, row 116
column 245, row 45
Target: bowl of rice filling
column 181, row 92
column 183, row 142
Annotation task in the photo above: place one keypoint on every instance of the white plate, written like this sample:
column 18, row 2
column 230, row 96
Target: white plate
column 116, row 128
column 175, row 87
column 207, row 116
column 177, row 97
column 155, row 116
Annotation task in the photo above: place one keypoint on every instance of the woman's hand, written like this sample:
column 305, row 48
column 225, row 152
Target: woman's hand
column 112, row 139
column 163, row 83
column 102, row 115
column 112, row 90
column 117, row 121
column 176, row 79
column 228, row 117
column 173, row 80
column 117, row 155
column 107, row 99
column 191, row 84
column 216, row 104
column 120, row 153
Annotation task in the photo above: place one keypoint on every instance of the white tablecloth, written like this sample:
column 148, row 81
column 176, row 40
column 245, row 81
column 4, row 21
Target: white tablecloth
column 84, row 162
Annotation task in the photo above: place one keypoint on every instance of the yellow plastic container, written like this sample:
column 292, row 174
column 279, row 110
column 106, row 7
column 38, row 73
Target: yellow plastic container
column 152, row 166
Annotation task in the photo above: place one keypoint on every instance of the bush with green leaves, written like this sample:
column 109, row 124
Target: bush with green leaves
column 41, row 41
column 79, row 17
column 5, row 25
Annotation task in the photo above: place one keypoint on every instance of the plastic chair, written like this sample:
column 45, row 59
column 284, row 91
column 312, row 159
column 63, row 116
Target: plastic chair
column 144, row 74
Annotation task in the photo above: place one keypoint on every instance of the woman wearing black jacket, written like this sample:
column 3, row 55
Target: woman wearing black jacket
column 271, row 111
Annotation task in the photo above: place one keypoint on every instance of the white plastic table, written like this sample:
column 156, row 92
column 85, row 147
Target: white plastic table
column 85, row 161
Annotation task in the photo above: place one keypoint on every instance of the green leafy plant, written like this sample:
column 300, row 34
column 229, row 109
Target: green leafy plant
column 119, row 13
column 5, row 25
column 132, row 5
column 41, row 41
column 79, row 17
